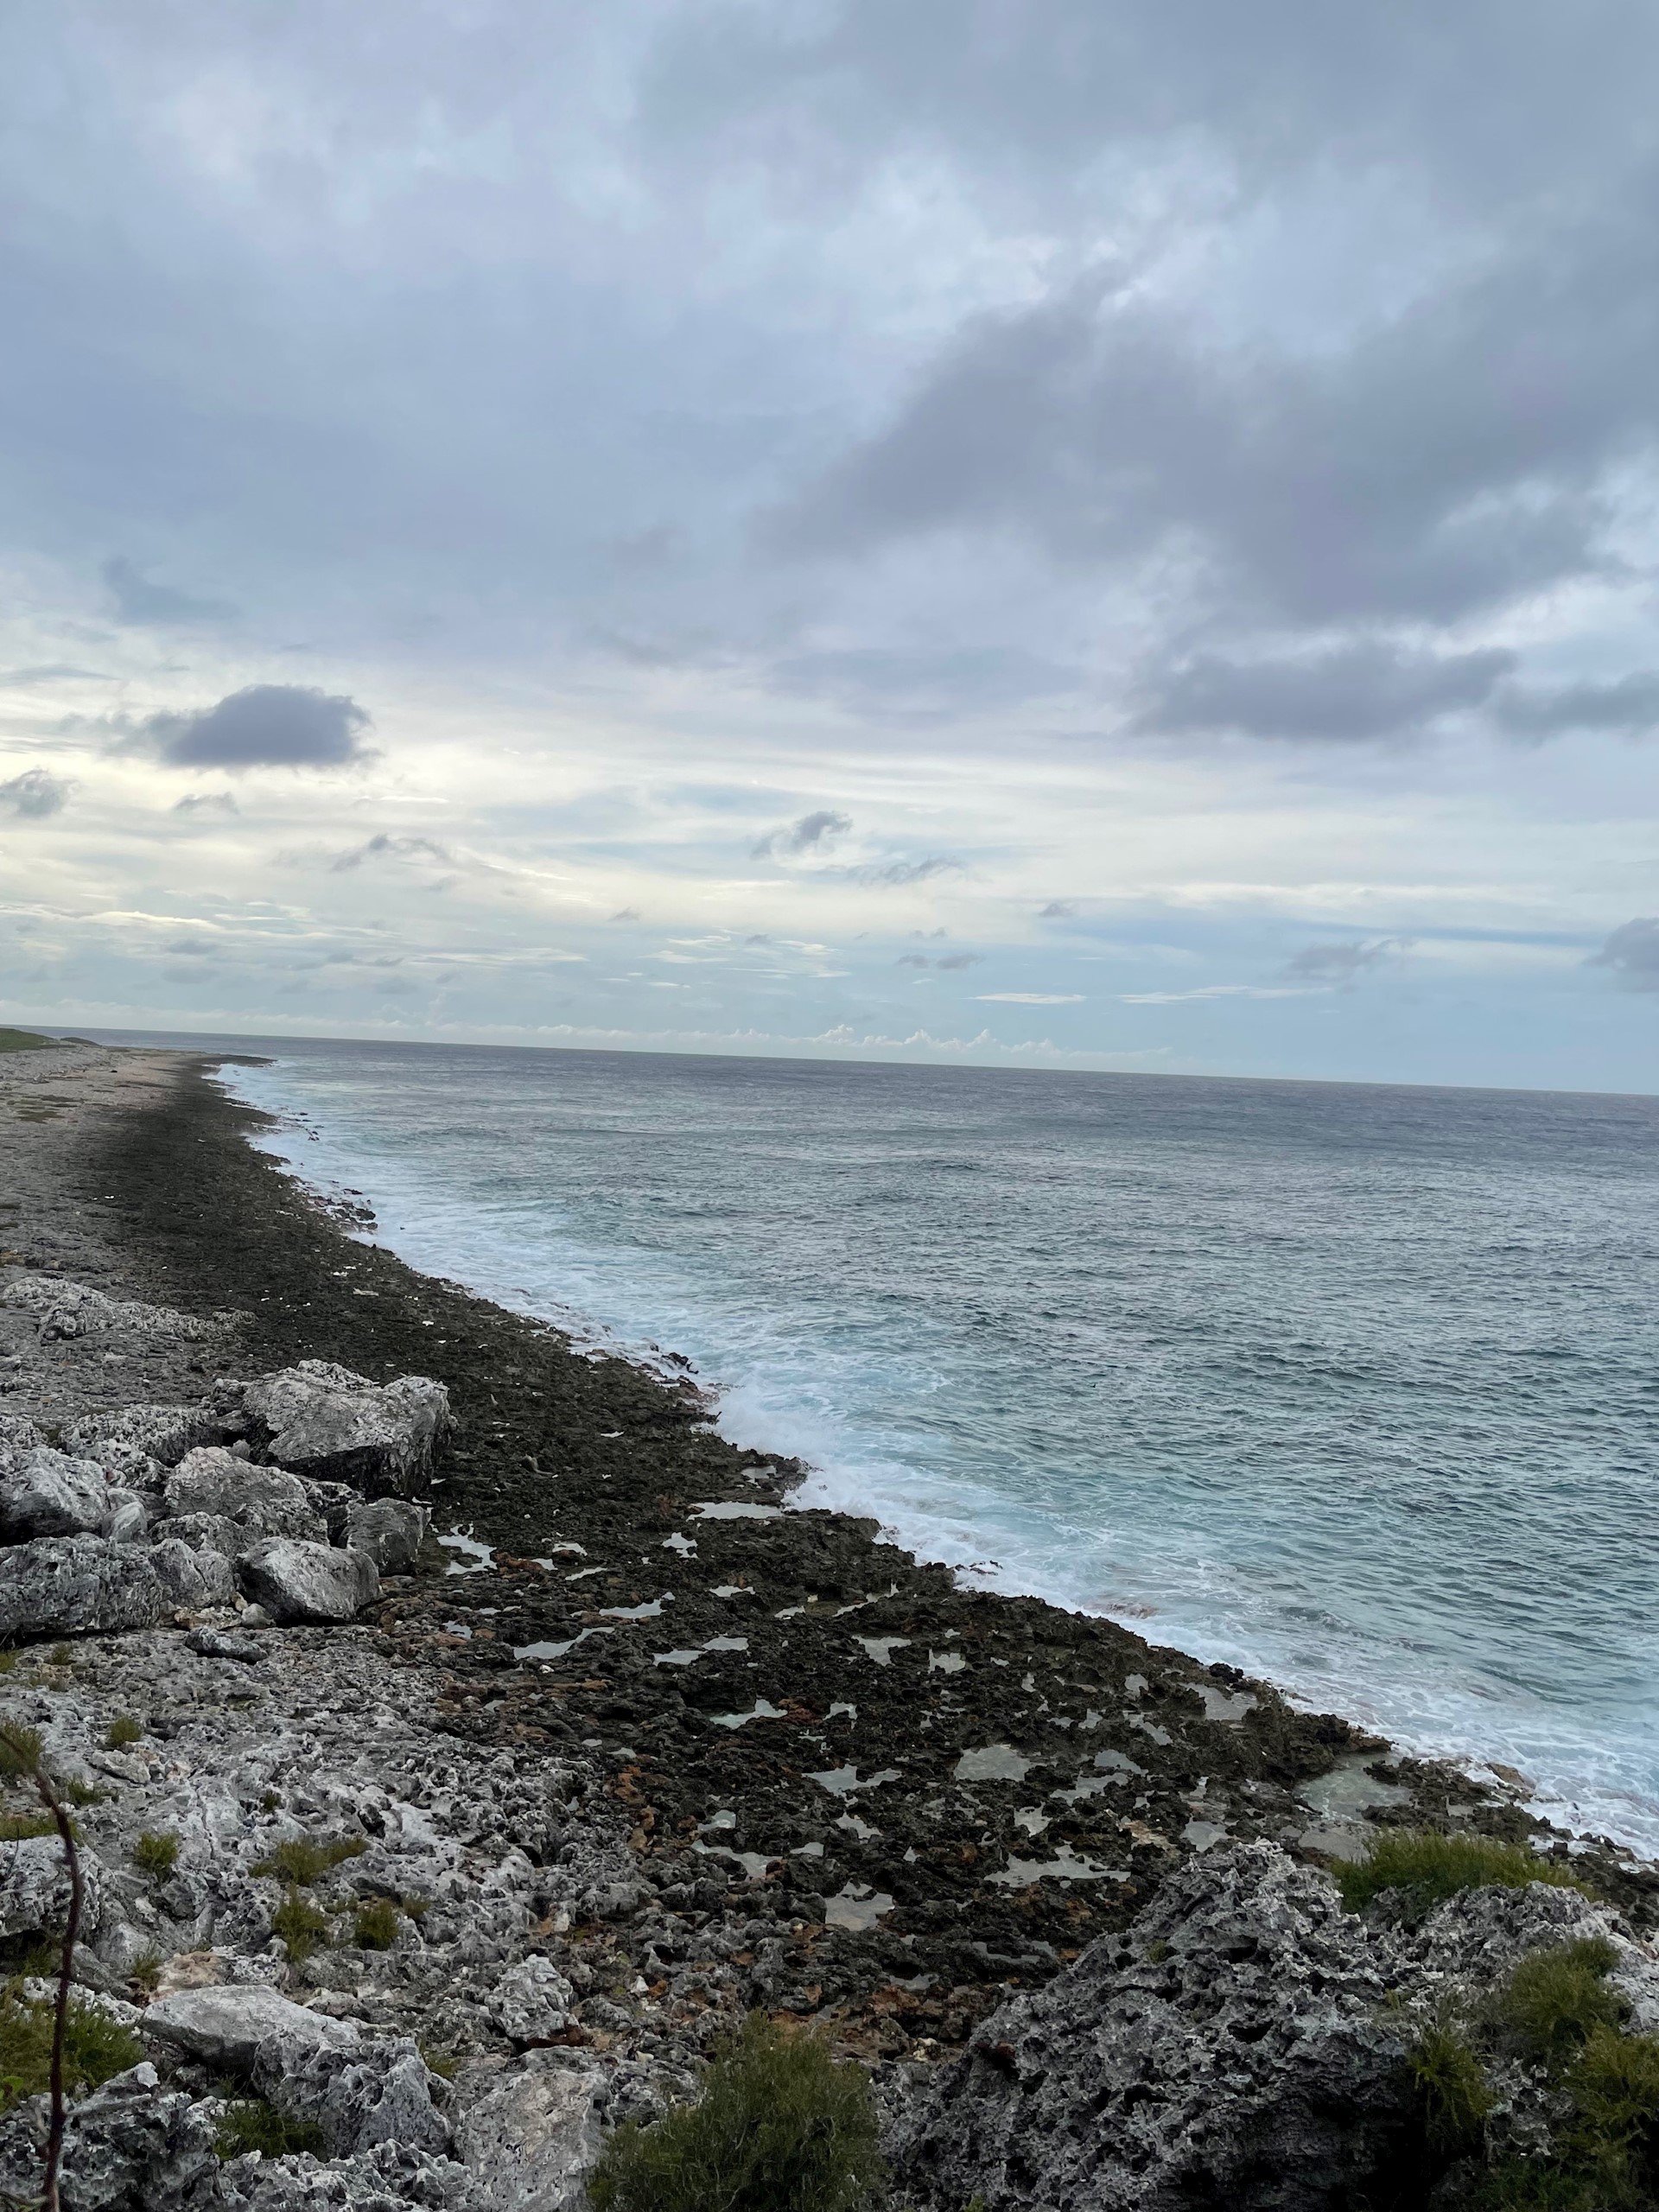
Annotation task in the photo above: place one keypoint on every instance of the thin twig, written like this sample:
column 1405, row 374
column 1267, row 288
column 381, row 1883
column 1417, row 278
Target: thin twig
column 24, row 1755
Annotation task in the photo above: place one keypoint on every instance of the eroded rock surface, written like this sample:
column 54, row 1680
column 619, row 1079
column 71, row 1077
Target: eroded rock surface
column 323, row 1420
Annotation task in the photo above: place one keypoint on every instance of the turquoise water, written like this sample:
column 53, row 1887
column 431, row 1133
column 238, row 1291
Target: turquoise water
column 1356, row 1386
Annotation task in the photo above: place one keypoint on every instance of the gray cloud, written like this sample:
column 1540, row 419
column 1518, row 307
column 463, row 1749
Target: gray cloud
column 139, row 600
column 895, row 874
column 1363, row 691
column 385, row 847
column 948, row 961
column 206, row 803
column 1340, row 964
column 267, row 725
column 1632, row 952
column 36, row 793
column 1630, row 704
column 811, row 834
column 1059, row 910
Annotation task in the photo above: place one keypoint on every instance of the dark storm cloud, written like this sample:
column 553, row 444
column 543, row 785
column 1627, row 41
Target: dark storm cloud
column 35, row 794
column 1629, row 705
column 267, row 725
column 811, row 834
column 1632, row 952
column 138, row 599
column 1363, row 691
column 1339, row 964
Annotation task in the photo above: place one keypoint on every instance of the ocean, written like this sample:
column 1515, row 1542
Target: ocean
column 1355, row 1386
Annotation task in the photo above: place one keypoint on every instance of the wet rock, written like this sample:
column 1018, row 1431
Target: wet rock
column 371, row 2092
column 532, row 2002
column 262, row 1500
column 324, row 1420
column 1233, row 2050
column 35, row 1888
column 531, row 2134
column 131, row 2147
column 76, row 1585
column 308, row 1582
column 228, row 2028
column 46, row 1493
column 390, row 1530
column 193, row 1581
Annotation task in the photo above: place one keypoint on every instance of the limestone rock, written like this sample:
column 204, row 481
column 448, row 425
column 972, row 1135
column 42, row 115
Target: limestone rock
column 193, row 1581
column 35, row 1888
column 131, row 2147
column 308, row 1582
column 71, row 1310
column 46, row 1493
column 77, row 1586
column 228, row 2027
column 115, row 1436
column 203, row 1532
column 226, row 1644
column 373, row 2093
column 325, row 1421
column 17, row 1435
column 390, row 1530
column 532, row 2133
column 532, row 2002
column 263, row 1500
column 125, row 1521
column 385, row 2179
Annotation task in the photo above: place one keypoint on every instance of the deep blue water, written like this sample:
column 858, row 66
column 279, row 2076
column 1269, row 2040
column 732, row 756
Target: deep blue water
column 1357, row 1387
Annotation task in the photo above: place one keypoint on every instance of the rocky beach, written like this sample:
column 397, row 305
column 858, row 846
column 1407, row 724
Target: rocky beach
column 508, row 1735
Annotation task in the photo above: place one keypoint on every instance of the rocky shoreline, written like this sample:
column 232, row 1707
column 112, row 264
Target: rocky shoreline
column 628, row 1744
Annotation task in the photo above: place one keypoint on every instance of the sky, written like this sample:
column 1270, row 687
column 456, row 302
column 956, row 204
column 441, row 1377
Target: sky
column 1089, row 533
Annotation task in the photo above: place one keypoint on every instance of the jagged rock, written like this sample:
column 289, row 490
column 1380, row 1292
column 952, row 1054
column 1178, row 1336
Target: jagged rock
column 1232, row 2049
column 76, row 1585
column 227, row 2027
column 117, row 1436
column 193, row 1581
column 131, row 2147
column 35, row 1888
column 532, row 2133
column 390, row 1530
column 326, row 1420
column 263, row 1500
column 46, row 1493
column 69, row 1310
column 203, row 1532
column 125, row 1521
column 373, row 2093
column 225, row 1643
column 532, row 2002
column 385, row 2179
column 17, row 1436
column 308, row 1582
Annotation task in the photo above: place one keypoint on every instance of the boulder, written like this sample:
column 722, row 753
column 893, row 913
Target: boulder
column 326, row 1422
column 227, row 2027
column 225, row 1643
column 308, row 1582
column 125, row 1521
column 390, row 1530
column 46, row 1493
column 531, row 2133
column 263, row 1500
column 17, row 1436
column 77, row 1586
column 371, row 2092
column 532, row 2002
column 203, row 1532
column 131, row 2147
column 385, row 2179
column 35, row 1888
column 119, row 1436
column 71, row 1310
column 193, row 1581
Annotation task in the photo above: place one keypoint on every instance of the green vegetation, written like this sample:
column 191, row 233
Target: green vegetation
column 156, row 1853
column 414, row 1908
column 23, row 1041
column 303, row 1861
column 1557, row 2011
column 94, row 2047
column 780, row 2128
column 442, row 2062
column 299, row 1923
column 18, row 1827
column 250, row 2124
column 122, row 1731
column 1430, row 1867
column 146, row 1972
column 375, row 1927
column 61, row 1654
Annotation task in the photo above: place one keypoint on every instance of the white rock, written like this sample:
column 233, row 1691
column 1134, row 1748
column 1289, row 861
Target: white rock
column 46, row 1493
column 194, row 1581
column 371, row 2092
column 308, row 1582
column 77, row 1586
column 263, row 1500
column 119, row 1436
column 125, row 1521
column 326, row 1420
column 35, row 1888
column 71, row 1310
column 532, row 2002
column 531, row 2135
column 227, row 2027
column 17, row 1436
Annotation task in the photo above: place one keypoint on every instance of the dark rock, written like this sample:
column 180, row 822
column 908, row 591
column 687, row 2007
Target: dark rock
column 390, row 1530
column 225, row 1643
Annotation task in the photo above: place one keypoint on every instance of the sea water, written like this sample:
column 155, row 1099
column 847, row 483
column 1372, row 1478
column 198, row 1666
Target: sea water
column 1355, row 1386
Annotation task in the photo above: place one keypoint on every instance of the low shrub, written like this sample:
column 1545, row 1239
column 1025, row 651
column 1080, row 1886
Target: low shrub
column 18, row 1827
column 304, row 1860
column 122, row 1731
column 156, row 1853
column 96, row 2048
column 376, row 1926
column 779, row 2127
column 1429, row 1867
column 299, row 1923
column 1555, row 2001
column 61, row 1654
column 146, row 1972
column 250, row 2124
column 1451, row 2083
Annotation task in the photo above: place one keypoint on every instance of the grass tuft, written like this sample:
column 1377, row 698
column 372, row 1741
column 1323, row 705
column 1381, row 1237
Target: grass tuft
column 250, row 2124
column 780, row 2128
column 122, row 1731
column 20, row 1752
column 1429, row 1867
column 18, row 1827
column 95, row 2049
column 1452, row 2084
column 299, row 1923
column 376, row 1926
column 156, row 1853
column 304, row 1861
column 1556, row 2001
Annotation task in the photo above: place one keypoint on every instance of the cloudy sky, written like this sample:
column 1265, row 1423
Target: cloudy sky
column 1113, row 533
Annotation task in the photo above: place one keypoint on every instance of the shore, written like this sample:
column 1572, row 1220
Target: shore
column 938, row 1794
